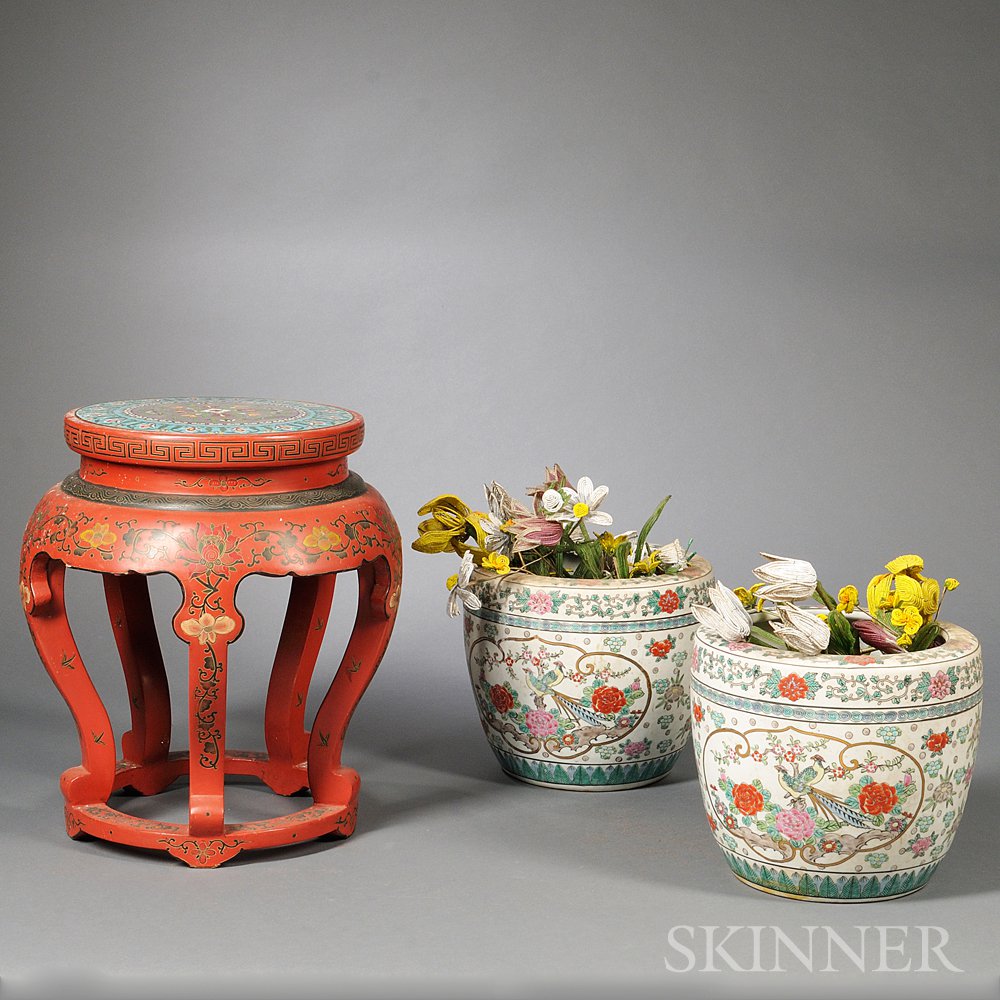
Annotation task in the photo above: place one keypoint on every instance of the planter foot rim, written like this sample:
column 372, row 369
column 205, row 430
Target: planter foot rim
column 824, row 899
column 566, row 787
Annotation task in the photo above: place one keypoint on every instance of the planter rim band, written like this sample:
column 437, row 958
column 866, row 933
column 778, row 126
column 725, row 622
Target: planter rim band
column 959, row 643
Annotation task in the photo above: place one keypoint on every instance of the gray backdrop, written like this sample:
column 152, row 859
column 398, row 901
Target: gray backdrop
column 742, row 252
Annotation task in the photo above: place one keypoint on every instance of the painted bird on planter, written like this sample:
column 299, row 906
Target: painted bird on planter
column 800, row 784
column 571, row 707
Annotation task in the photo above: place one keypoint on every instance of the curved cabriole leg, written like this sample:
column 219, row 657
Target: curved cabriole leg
column 147, row 743
column 207, row 624
column 91, row 782
column 284, row 713
column 332, row 784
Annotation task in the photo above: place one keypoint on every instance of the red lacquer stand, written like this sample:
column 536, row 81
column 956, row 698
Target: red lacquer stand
column 211, row 490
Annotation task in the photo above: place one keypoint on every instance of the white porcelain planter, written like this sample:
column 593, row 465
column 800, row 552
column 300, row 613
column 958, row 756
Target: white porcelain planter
column 583, row 684
column 836, row 778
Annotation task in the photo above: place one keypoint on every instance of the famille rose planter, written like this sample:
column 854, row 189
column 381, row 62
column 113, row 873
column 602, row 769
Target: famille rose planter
column 583, row 684
column 836, row 778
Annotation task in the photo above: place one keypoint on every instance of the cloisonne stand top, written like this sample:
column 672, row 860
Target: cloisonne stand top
column 213, row 444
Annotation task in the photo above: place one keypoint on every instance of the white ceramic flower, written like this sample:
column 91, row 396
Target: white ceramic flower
column 727, row 617
column 502, row 505
column 458, row 588
column 581, row 504
column 497, row 539
column 553, row 501
column 802, row 630
column 673, row 554
column 497, row 524
column 785, row 579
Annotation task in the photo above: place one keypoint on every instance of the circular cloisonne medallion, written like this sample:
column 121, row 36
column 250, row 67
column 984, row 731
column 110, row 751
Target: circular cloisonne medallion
column 214, row 415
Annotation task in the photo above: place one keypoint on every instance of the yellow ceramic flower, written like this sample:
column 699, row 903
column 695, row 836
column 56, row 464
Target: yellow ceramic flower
column 907, row 618
column 452, row 581
column 931, row 597
column 100, row 536
column 951, row 583
column 611, row 542
column 889, row 590
column 447, row 526
column 746, row 598
column 847, row 598
column 647, row 566
column 496, row 562
column 911, row 565
column 904, row 640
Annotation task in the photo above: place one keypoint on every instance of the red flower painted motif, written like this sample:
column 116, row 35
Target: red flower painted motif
column 793, row 687
column 608, row 700
column 661, row 648
column 877, row 798
column 748, row 800
column 936, row 742
column 711, row 821
column 697, row 712
column 669, row 601
column 502, row 699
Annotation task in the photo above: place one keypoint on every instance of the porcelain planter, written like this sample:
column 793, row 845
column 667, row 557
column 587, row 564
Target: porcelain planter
column 583, row 684
column 837, row 778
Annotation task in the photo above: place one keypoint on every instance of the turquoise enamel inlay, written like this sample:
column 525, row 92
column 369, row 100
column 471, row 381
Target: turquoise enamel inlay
column 563, row 625
column 214, row 415
column 810, row 713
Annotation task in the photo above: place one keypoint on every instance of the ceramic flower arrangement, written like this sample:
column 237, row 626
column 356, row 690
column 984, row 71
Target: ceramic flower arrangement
column 556, row 536
column 902, row 610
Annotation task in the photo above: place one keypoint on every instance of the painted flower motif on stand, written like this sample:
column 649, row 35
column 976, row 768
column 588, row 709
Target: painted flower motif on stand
column 206, row 629
column 98, row 536
column 321, row 539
